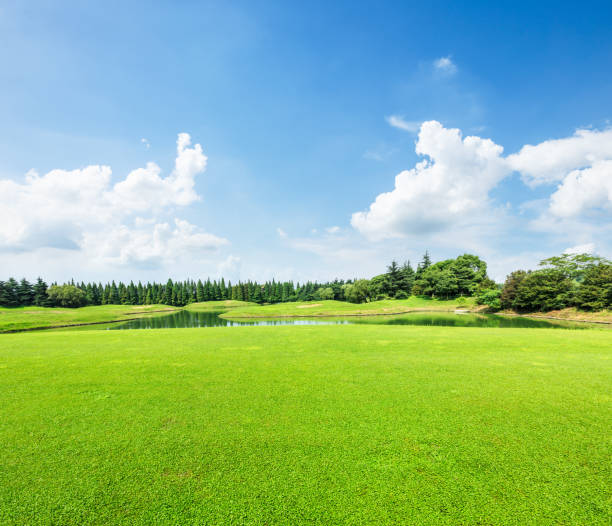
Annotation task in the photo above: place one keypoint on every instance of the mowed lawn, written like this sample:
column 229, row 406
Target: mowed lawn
column 306, row 425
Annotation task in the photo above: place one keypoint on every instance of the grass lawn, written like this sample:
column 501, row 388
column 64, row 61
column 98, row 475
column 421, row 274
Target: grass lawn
column 338, row 308
column 356, row 424
column 216, row 306
column 20, row 318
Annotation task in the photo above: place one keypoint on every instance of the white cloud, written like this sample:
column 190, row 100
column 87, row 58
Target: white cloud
column 445, row 64
column 587, row 248
column 81, row 210
column 551, row 161
column 450, row 185
column 399, row 122
column 332, row 229
column 584, row 190
column 281, row 232
column 146, row 143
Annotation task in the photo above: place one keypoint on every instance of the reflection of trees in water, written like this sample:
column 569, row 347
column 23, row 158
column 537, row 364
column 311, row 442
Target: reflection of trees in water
column 190, row 319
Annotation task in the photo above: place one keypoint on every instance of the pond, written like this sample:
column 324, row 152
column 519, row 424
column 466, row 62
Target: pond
column 191, row 319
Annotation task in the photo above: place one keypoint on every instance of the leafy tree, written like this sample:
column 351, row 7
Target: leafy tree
column 67, row 296
column 574, row 266
column 326, row 293
column 543, row 290
column 359, row 291
column 595, row 291
column 490, row 298
column 469, row 271
column 510, row 288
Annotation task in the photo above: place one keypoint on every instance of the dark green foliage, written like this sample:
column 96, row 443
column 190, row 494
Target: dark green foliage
column 9, row 296
column 595, row 292
column 462, row 276
column 510, row 288
column 40, row 293
column 543, row 290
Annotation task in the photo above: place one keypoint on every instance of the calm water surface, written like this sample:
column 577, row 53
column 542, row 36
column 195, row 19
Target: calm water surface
column 191, row 319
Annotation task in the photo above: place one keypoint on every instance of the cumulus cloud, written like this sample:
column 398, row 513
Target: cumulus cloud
column 445, row 65
column 584, row 190
column 451, row 184
column 399, row 122
column 82, row 210
column 551, row 161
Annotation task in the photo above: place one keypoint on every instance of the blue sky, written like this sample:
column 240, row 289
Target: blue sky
column 305, row 115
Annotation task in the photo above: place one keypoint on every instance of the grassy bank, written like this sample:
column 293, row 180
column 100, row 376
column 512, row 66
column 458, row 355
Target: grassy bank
column 342, row 308
column 293, row 425
column 215, row 306
column 570, row 314
column 20, row 318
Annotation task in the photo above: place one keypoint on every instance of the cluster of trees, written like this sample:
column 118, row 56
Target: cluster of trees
column 570, row 280
column 465, row 275
column 179, row 293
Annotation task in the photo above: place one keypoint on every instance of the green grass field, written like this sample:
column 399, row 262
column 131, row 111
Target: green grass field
column 357, row 424
column 21, row 318
column 339, row 308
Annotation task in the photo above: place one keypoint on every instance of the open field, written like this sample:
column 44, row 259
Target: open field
column 357, row 424
column 342, row 308
column 20, row 318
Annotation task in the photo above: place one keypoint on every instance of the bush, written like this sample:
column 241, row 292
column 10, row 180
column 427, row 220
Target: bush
column 490, row 298
column 402, row 295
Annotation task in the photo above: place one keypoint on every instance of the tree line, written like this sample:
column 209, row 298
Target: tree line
column 176, row 293
column 570, row 280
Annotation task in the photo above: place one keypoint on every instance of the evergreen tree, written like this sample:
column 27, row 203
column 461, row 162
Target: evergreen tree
column 200, row 291
column 25, row 293
column 394, row 277
column 407, row 278
column 40, row 293
column 10, row 296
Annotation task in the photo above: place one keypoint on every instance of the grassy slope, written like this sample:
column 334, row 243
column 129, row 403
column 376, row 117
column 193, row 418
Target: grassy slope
column 31, row 317
column 218, row 305
column 334, row 308
column 291, row 425
column 603, row 316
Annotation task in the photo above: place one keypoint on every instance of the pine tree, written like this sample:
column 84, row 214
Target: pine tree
column 25, row 293
column 40, row 293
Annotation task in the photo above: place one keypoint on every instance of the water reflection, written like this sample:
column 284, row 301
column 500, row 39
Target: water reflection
column 191, row 319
